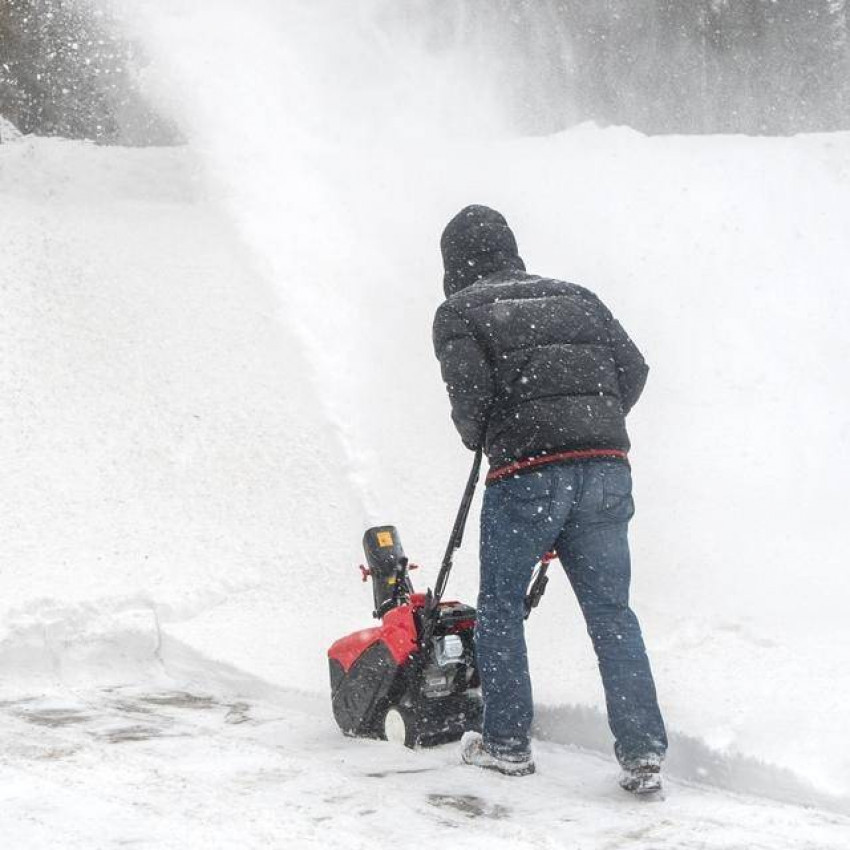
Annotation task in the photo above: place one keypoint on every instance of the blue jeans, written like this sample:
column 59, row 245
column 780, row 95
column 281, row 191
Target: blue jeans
column 581, row 510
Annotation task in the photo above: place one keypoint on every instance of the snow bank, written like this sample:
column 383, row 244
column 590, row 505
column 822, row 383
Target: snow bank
column 159, row 434
column 8, row 131
column 209, row 417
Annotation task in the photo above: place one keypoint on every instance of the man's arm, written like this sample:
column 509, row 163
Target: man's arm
column 467, row 374
column 631, row 367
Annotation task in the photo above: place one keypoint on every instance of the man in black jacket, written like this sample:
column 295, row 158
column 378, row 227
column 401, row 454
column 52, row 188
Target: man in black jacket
column 541, row 376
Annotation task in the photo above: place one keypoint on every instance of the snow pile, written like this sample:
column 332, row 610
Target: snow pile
column 204, row 418
column 158, row 435
column 8, row 131
column 82, row 646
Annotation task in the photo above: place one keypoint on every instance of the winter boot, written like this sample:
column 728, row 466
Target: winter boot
column 472, row 752
column 643, row 777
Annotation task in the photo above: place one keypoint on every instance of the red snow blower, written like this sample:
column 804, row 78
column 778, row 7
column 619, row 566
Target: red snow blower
column 413, row 679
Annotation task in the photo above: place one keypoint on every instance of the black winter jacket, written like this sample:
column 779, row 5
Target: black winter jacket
column 535, row 366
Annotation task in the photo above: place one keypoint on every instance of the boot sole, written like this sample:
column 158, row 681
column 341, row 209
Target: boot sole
column 525, row 770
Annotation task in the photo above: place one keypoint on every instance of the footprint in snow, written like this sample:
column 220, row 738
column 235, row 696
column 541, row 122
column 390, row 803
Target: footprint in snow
column 469, row 805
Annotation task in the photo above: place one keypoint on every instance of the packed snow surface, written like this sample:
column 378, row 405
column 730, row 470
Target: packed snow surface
column 231, row 762
column 215, row 372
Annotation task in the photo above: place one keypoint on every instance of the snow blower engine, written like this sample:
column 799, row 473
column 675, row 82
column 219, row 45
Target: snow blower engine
column 413, row 679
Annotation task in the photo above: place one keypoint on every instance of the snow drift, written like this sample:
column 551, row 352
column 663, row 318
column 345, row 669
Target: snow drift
column 217, row 366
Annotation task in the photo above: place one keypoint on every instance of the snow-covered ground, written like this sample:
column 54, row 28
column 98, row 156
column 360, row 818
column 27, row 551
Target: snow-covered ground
column 189, row 753
column 215, row 372
column 177, row 519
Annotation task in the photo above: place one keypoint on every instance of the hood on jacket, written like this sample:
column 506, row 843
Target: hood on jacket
column 476, row 243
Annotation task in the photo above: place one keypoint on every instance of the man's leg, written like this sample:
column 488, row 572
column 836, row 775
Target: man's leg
column 594, row 550
column 516, row 529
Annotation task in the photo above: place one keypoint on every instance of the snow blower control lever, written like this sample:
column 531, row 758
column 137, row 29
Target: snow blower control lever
column 538, row 583
column 432, row 598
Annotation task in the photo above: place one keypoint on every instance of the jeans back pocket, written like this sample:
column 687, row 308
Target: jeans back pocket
column 617, row 500
column 529, row 496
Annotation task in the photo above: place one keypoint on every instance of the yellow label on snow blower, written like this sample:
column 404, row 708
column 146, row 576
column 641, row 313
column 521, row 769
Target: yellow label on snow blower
column 385, row 538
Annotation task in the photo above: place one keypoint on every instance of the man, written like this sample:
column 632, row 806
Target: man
column 541, row 376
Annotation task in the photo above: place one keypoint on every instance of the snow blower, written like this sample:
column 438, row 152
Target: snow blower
column 413, row 679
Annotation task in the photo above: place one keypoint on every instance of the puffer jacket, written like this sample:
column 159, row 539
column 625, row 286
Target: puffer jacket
column 533, row 366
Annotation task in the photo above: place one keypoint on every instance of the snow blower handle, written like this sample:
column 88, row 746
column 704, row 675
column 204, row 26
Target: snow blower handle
column 455, row 540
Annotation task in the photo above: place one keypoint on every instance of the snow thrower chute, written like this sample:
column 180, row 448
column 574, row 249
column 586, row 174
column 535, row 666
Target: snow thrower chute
column 413, row 679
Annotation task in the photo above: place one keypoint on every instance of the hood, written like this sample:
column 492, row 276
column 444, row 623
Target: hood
column 476, row 243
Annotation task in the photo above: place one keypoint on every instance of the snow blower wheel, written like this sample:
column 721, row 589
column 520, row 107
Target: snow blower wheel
column 397, row 729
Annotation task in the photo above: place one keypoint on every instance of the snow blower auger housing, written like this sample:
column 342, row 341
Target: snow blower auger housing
column 413, row 679
column 405, row 680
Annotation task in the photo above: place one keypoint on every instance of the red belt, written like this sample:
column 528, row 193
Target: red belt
column 542, row 460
